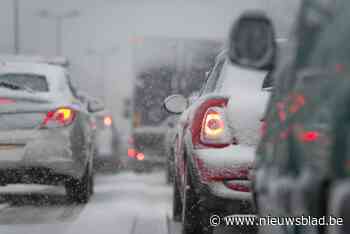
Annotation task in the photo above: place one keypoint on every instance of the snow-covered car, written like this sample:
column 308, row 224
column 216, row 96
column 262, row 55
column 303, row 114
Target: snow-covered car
column 107, row 142
column 215, row 144
column 45, row 133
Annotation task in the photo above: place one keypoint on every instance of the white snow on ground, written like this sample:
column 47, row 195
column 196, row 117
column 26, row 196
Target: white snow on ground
column 123, row 203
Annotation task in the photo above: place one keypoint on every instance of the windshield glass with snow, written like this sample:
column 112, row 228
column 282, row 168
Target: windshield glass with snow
column 31, row 82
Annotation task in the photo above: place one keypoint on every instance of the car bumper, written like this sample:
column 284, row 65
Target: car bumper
column 225, row 171
column 50, row 149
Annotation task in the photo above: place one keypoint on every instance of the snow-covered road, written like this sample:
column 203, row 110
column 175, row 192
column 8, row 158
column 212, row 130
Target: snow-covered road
column 124, row 203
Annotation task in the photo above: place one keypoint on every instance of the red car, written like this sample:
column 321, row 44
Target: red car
column 215, row 144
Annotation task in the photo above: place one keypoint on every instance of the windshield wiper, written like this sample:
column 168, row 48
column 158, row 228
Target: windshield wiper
column 12, row 86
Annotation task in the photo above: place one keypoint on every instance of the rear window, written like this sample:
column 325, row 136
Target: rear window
column 37, row 83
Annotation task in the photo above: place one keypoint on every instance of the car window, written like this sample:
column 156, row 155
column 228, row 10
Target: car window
column 37, row 83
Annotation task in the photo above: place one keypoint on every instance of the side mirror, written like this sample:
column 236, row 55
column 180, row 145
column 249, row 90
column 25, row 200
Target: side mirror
column 95, row 106
column 175, row 104
column 252, row 41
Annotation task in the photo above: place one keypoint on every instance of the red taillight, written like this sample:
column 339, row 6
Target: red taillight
column 309, row 136
column 209, row 128
column 213, row 124
column 107, row 120
column 140, row 156
column 132, row 153
column 60, row 117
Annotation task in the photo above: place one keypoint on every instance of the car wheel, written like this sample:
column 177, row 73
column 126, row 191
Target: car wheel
column 194, row 220
column 177, row 206
column 79, row 191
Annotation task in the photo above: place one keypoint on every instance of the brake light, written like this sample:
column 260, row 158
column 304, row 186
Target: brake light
column 309, row 136
column 213, row 124
column 107, row 121
column 214, row 130
column 132, row 153
column 60, row 117
column 140, row 156
column 209, row 127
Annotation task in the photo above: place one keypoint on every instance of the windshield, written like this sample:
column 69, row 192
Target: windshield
column 22, row 81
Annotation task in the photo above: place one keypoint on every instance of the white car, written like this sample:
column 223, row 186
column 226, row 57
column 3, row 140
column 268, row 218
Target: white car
column 215, row 145
column 45, row 132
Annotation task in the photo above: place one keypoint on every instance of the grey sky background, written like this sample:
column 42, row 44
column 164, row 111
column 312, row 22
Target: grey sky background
column 104, row 25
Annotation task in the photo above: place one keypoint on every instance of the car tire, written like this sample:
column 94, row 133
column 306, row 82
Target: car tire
column 177, row 206
column 79, row 191
column 194, row 219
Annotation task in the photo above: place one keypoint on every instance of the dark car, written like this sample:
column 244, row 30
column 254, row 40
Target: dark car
column 302, row 165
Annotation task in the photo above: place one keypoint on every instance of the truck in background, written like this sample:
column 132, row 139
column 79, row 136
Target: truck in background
column 162, row 66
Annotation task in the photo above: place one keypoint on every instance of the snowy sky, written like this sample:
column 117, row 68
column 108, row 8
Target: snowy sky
column 107, row 24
